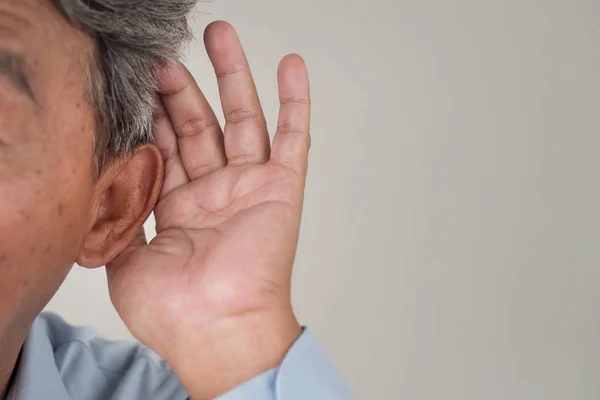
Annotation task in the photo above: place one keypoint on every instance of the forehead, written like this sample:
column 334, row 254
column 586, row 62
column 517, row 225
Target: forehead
column 37, row 25
column 29, row 14
column 55, row 52
column 56, row 57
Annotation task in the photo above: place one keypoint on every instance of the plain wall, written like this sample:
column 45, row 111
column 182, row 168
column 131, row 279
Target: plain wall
column 450, row 246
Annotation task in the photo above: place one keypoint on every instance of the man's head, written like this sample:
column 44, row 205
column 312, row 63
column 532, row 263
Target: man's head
column 77, row 175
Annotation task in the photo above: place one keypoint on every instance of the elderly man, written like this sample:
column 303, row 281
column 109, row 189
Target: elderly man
column 100, row 126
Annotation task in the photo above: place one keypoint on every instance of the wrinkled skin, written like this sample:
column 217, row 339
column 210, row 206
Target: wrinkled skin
column 54, row 209
column 211, row 293
column 45, row 144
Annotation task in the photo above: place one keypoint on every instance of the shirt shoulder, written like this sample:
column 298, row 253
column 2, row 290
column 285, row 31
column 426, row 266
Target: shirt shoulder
column 63, row 362
column 76, row 363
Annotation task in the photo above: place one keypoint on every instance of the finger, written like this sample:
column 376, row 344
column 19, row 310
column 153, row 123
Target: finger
column 200, row 138
column 292, row 139
column 246, row 136
column 166, row 141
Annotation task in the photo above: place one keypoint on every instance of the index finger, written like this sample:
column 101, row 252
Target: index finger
column 199, row 134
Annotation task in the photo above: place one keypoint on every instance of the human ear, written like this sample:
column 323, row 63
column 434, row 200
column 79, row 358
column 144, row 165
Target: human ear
column 127, row 194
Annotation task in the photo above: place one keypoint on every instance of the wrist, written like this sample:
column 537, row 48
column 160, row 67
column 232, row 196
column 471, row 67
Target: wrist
column 232, row 351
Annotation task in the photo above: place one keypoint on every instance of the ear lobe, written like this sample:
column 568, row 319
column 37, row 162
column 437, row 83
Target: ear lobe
column 129, row 193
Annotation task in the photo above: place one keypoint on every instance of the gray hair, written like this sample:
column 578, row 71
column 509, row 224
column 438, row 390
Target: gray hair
column 133, row 38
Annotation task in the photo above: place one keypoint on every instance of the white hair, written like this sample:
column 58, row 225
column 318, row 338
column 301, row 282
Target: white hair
column 133, row 38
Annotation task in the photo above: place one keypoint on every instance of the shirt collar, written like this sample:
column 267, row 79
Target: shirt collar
column 37, row 376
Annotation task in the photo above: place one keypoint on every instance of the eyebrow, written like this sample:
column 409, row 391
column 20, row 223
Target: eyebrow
column 13, row 66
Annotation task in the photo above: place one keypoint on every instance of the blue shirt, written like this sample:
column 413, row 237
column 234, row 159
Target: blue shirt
column 62, row 362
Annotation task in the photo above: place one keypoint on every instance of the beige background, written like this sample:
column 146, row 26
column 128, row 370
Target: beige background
column 450, row 247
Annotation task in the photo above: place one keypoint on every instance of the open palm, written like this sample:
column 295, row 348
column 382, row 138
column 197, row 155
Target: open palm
column 230, row 208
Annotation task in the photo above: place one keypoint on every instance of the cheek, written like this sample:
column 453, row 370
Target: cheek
column 46, row 193
column 45, row 183
column 45, row 206
column 44, row 216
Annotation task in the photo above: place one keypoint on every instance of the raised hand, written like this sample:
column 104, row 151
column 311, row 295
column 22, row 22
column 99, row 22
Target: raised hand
column 211, row 293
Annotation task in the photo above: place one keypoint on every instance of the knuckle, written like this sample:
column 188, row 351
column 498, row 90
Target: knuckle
column 295, row 100
column 244, row 159
column 291, row 129
column 170, row 156
column 240, row 115
column 195, row 126
column 229, row 72
column 205, row 168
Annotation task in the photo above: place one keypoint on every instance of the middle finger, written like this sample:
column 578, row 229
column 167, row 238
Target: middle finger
column 246, row 136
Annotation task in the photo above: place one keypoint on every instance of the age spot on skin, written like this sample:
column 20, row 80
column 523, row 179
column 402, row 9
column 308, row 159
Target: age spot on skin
column 32, row 251
column 61, row 208
column 25, row 216
column 48, row 249
column 2, row 258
